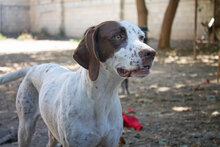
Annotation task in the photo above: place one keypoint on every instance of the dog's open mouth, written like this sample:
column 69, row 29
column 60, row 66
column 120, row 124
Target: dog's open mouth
column 139, row 72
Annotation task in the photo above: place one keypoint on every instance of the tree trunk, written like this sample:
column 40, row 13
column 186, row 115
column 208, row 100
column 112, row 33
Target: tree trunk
column 62, row 19
column 122, row 5
column 142, row 13
column 165, row 33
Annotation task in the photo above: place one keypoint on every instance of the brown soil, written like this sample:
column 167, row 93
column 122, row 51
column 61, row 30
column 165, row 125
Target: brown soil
column 178, row 104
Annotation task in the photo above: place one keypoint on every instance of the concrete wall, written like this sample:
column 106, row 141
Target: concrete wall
column 14, row 16
column 75, row 16
column 45, row 14
column 78, row 15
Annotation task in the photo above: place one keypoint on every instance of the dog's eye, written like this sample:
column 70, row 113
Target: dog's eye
column 118, row 37
column 141, row 38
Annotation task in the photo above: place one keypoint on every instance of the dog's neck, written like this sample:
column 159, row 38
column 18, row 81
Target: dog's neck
column 106, row 84
column 103, row 92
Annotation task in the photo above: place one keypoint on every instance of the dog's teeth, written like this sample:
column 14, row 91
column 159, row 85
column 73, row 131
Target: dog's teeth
column 148, row 67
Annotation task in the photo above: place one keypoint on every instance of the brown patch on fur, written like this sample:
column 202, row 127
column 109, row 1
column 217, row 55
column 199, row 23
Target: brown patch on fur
column 108, row 44
column 134, row 30
column 135, row 53
column 85, row 54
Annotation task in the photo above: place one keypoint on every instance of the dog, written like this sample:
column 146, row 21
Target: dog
column 82, row 108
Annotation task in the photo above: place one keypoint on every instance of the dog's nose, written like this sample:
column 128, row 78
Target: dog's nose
column 146, row 53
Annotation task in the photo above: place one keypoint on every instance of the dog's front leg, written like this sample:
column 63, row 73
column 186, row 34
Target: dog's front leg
column 111, row 141
column 52, row 140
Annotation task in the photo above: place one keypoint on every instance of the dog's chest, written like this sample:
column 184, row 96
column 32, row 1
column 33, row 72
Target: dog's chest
column 90, row 128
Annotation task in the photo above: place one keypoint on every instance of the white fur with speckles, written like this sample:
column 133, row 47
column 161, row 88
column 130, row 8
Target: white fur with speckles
column 128, row 57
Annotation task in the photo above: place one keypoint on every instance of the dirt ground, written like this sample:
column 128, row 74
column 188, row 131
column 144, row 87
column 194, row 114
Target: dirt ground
column 178, row 104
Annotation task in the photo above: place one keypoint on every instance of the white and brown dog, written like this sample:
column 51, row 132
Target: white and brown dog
column 82, row 108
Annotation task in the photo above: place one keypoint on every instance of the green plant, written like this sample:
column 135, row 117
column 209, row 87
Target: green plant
column 45, row 32
column 2, row 37
column 74, row 41
column 24, row 36
column 61, row 33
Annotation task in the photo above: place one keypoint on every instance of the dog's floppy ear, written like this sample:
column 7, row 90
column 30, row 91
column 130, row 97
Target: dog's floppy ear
column 86, row 53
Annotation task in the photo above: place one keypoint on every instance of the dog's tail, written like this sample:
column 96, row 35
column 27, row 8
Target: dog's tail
column 14, row 75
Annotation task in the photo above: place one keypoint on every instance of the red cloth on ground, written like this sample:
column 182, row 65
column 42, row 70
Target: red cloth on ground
column 130, row 110
column 207, row 81
column 131, row 121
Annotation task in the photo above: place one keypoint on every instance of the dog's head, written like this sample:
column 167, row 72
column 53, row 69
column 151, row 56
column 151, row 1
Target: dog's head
column 119, row 46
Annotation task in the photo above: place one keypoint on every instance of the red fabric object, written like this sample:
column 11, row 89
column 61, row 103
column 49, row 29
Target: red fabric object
column 130, row 110
column 131, row 121
column 207, row 81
